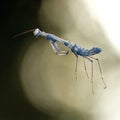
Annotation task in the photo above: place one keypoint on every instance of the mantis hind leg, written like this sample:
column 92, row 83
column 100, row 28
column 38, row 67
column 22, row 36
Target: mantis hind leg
column 91, row 73
column 76, row 67
column 85, row 68
column 100, row 71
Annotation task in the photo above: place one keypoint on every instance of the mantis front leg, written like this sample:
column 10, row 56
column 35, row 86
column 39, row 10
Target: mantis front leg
column 56, row 48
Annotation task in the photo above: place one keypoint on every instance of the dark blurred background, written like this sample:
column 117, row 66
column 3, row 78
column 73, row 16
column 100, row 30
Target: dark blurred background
column 16, row 16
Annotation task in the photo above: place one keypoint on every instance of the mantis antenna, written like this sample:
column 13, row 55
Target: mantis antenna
column 22, row 33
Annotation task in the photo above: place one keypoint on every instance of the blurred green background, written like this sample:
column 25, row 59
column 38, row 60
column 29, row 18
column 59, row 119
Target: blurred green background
column 38, row 85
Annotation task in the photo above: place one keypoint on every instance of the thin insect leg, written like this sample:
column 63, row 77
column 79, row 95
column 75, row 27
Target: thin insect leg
column 56, row 49
column 100, row 71
column 91, row 73
column 76, row 67
column 85, row 68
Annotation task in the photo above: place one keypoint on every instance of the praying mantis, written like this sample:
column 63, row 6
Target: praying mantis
column 76, row 50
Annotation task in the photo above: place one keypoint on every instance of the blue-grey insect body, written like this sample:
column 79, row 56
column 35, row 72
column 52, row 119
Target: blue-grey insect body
column 85, row 52
column 76, row 49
